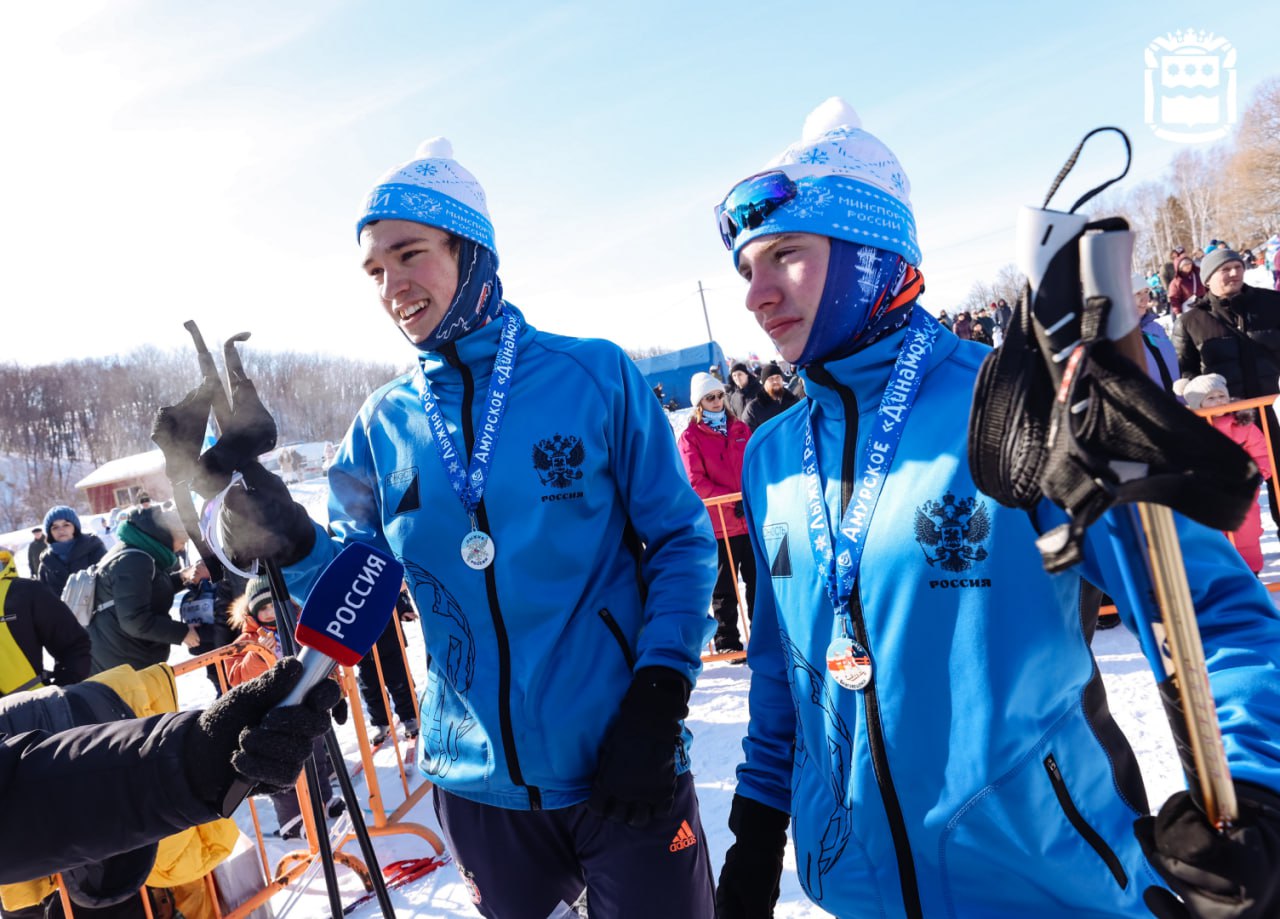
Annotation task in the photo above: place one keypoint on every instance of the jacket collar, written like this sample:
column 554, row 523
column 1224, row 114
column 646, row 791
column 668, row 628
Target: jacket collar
column 477, row 348
column 866, row 372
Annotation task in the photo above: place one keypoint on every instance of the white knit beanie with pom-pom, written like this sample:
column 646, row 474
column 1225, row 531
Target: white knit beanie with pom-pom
column 849, row 185
column 432, row 189
column 1198, row 388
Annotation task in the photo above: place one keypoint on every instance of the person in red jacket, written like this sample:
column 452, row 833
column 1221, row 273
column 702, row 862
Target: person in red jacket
column 1186, row 285
column 712, row 447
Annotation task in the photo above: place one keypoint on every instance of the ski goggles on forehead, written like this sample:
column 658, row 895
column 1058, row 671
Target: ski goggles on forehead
column 751, row 201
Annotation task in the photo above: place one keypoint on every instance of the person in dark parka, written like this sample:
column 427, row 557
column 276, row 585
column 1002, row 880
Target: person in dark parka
column 77, row 796
column 69, row 550
column 135, row 590
column 37, row 621
column 34, row 550
column 741, row 388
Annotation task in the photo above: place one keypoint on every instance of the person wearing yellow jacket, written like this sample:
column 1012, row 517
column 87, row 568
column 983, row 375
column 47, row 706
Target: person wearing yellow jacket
column 178, row 860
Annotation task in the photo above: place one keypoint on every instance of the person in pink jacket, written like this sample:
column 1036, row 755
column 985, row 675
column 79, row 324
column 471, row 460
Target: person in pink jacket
column 712, row 447
column 1210, row 391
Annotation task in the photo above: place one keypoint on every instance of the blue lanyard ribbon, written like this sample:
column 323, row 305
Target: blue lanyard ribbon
column 469, row 485
column 839, row 564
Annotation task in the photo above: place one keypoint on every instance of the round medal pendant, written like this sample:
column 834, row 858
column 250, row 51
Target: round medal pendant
column 849, row 663
column 477, row 550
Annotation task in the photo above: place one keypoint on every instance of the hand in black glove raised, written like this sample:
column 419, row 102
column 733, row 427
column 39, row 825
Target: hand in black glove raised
column 244, row 733
column 178, row 430
column 260, row 519
column 752, row 872
column 636, row 777
column 249, row 432
column 1232, row 875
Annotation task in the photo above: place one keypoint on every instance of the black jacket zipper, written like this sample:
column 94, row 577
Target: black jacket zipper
column 1088, row 833
column 450, row 353
column 871, row 701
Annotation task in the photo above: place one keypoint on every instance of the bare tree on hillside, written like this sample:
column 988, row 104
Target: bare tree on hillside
column 1253, row 170
column 1195, row 176
column 1009, row 283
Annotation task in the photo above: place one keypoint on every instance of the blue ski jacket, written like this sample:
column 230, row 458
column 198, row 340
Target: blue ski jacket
column 604, row 557
column 980, row 774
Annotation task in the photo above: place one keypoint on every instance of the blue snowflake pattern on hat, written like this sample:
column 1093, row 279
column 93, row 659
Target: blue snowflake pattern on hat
column 435, row 190
column 849, row 186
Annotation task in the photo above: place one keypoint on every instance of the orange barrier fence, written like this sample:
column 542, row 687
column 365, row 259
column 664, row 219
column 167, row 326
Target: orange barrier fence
column 717, row 505
column 1261, row 403
column 388, row 811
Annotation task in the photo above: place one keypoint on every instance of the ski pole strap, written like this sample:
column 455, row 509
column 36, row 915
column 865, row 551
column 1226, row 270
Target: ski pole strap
column 1071, row 163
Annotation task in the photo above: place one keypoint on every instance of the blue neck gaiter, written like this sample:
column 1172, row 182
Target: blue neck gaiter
column 860, row 279
column 63, row 549
column 478, row 298
column 716, row 420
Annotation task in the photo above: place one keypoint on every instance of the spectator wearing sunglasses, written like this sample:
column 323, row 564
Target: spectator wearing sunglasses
column 712, row 446
column 532, row 488
column 925, row 711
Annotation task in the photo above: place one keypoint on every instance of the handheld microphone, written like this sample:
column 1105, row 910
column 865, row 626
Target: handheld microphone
column 345, row 613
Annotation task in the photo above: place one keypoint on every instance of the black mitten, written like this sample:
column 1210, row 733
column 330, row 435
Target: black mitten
column 249, row 432
column 752, row 872
column 636, row 777
column 244, row 733
column 1232, row 875
column 178, row 430
column 261, row 520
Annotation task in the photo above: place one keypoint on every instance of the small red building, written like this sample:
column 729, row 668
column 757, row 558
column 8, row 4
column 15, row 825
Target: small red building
column 119, row 482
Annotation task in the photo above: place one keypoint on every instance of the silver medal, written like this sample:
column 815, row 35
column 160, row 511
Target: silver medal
column 477, row 550
column 849, row 663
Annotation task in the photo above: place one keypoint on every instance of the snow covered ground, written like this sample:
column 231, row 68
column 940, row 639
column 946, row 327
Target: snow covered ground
column 718, row 717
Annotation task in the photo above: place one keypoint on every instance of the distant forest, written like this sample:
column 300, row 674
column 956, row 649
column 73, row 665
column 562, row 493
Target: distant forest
column 92, row 410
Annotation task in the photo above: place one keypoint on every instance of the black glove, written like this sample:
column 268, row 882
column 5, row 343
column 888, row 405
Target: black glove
column 752, row 872
column 260, row 519
column 636, row 778
column 243, row 733
column 1232, row 875
column 340, row 712
column 249, row 432
column 178, row 430
column 738, row 510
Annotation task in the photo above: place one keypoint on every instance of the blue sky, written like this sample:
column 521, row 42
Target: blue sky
column 167, row 161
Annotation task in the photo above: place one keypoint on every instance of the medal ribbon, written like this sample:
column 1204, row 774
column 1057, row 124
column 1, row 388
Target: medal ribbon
column 469, row 485
column 839, row 565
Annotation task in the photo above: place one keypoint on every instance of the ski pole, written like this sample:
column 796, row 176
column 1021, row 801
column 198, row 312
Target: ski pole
column 1079, row 293
column 284, row 614
column 1190, row 672
column 1105, row 261
column 278, row 590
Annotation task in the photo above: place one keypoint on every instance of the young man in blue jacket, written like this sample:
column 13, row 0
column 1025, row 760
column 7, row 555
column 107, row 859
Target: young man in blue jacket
column 560, row 561
column 925, row 709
